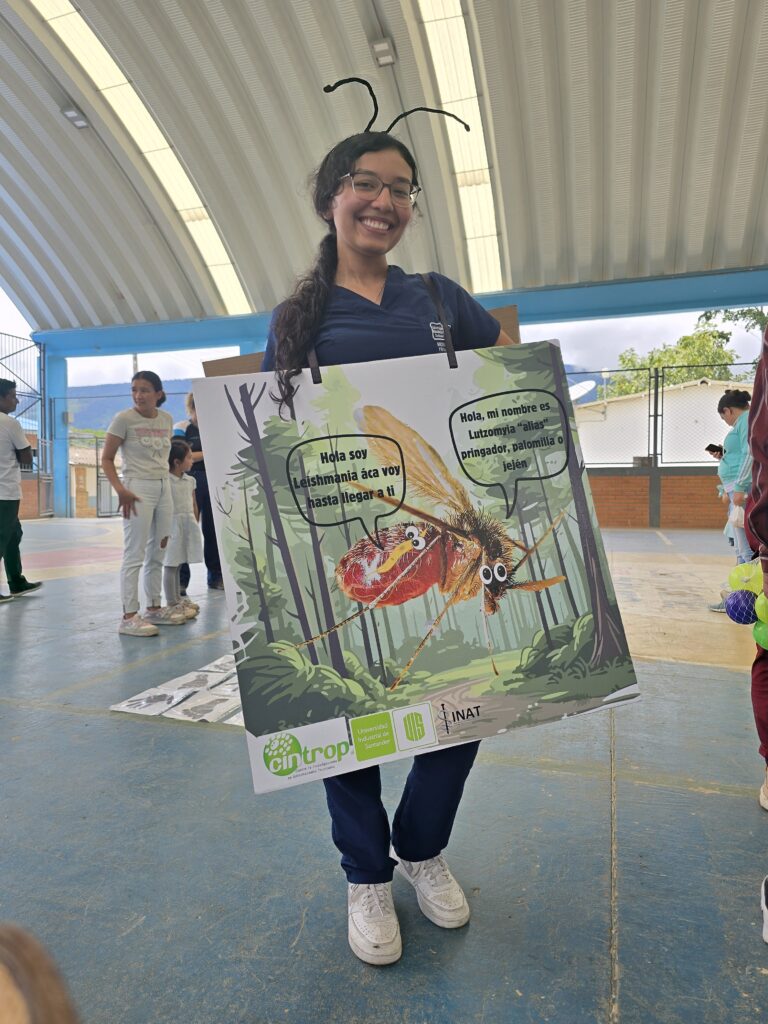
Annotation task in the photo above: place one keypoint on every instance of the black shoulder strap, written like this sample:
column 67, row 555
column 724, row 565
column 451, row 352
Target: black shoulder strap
column 435, row 294
column 314, row 366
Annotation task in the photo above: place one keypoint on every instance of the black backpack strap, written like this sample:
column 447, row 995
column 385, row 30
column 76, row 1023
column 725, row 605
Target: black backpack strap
column 441, row 315
column 314, row 366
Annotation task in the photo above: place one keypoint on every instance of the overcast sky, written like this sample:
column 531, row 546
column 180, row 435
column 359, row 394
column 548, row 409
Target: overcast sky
column 593, row 344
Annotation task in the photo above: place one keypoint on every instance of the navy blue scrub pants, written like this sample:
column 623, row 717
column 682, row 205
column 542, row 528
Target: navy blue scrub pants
column 210, row 547
column 423, row 820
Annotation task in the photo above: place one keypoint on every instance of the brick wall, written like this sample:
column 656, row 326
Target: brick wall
column 620, row 501
column 29, row 508
column 691, row 502
column 687, row 501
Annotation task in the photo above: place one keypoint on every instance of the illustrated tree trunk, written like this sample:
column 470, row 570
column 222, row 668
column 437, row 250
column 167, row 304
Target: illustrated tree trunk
column 318, row 618
column 333, row 645
column 264, row 613
column 404, row 623
column 609, row 636
column 542, row 574
column 377, row 640
column 536, row 593
column 503, row 630
column 558, row 548
column 361, row 620
column 388, row 633
column 247, row 422
column 281, row 623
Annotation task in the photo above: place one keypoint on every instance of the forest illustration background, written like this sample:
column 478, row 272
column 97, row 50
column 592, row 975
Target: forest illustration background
column 563, row 649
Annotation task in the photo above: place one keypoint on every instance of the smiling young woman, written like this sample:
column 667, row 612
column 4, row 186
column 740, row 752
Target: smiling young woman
column 353, row 307
column 143, row 436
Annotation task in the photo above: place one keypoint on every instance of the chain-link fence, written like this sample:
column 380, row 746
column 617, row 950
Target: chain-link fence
column 85, row 416
column 661, row 416
column 21, row 360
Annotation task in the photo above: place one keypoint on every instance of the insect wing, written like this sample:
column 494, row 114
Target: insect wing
column 426, row 473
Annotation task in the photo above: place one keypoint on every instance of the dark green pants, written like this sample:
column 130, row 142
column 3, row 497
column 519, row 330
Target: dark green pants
column 10, row 540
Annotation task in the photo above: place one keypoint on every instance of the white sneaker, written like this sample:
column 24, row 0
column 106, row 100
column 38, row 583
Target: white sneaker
column 374, row 931
column 167, row 616
column 764, row 906
column 186, row 610
column 137, row 626
column 763, row 797
column 440, row 896
column 189, row 603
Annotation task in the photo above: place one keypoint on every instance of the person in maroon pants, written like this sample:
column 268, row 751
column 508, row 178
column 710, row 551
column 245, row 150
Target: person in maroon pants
column 756, row 522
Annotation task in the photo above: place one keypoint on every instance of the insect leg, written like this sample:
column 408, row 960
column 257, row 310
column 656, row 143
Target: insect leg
column 453, row 598
column 376, row 601
column 488, row 641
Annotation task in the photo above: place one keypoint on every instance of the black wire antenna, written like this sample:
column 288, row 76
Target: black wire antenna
column 400, row 117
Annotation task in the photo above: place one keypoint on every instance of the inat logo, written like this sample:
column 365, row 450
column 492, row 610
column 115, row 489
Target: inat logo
column 451, row 718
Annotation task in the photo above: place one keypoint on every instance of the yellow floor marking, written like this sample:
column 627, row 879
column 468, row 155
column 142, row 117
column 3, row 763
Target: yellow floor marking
column 664, row 539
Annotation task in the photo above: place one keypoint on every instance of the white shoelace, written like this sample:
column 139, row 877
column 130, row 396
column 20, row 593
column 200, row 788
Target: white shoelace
column 437, row 872
column 377, row 898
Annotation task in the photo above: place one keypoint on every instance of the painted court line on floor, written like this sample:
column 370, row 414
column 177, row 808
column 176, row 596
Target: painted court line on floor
column 127, row 667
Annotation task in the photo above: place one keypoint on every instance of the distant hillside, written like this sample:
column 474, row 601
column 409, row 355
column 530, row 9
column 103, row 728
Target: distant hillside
column 93, row 408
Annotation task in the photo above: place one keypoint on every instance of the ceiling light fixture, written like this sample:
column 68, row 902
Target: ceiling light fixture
column 88, row 50
column 383, row 52
column 76, row 117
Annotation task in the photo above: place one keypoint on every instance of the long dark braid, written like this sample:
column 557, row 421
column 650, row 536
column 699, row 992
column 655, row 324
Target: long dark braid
column 300, row 316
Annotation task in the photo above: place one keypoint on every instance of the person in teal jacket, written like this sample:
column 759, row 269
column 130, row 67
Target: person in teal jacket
column 735, row 467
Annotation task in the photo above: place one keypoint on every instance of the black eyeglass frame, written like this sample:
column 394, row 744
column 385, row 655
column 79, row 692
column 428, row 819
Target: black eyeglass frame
column 413, row 190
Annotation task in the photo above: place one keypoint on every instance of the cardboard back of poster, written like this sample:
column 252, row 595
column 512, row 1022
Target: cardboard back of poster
column 230, row 365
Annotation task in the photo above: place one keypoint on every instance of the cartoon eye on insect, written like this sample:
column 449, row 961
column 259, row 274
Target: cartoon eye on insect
column 498, row 573
column 461, row 550
column 413, row 535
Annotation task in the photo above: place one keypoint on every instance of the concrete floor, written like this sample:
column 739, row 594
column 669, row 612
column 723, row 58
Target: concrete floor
column 613, row 866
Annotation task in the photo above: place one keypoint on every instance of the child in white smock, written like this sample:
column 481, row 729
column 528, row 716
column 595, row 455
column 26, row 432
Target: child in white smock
column 185, row 543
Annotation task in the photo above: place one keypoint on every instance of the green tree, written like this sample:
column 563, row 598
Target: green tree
column 704, row 353
column 753, row 319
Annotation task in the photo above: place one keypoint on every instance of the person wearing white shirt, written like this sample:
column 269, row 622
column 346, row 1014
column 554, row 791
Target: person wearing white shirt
column 15, row 452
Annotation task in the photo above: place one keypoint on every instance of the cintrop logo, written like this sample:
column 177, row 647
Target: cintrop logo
column 413, row 725
column 283, row 754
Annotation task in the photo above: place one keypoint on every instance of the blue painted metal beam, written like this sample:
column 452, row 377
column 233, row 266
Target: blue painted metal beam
column 249, row 332
column 643, row 297
column 58, row 428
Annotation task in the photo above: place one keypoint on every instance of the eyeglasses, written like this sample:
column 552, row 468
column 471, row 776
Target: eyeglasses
column 369, row 186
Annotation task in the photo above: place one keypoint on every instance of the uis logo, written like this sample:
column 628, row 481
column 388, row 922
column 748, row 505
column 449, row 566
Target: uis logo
column 283, row 754
column 413, row 726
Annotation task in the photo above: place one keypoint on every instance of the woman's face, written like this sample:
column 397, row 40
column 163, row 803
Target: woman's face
column 729, row 415
column 145, row 398
column 371, row 227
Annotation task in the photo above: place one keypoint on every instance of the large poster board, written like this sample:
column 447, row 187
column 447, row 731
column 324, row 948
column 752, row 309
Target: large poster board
column 411, row 558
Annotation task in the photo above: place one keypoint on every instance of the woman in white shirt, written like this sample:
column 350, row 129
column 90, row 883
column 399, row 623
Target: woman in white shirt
column 143, row 436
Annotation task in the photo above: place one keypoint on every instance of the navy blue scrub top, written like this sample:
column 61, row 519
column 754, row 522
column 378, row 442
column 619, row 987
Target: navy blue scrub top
column 406, row 323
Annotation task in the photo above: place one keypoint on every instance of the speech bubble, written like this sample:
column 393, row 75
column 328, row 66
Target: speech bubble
column 340, row 479
column 498, row 439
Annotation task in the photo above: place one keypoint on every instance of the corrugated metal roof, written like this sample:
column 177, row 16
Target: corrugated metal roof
column 627, row 139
